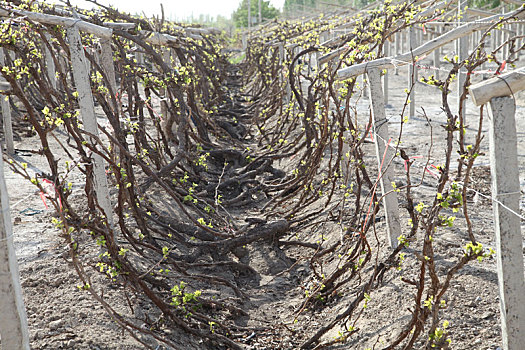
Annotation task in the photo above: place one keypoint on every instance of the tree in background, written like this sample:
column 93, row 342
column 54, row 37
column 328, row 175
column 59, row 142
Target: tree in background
column 294, row 5
column 240, row 16
column 483, row 3
column 302, row 7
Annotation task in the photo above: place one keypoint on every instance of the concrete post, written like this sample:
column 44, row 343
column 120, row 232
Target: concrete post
column 494, row 38
column 412, row 73
column 6, row 115
column 509, row 241
column 384, row 156
column 513, row 29
column 50, row 64
column 504, row 35
column 139, row 56
column 402, row 41
column 89, row 119
column 288, row 89
column 521, row 31
column 475, row 40
column 281, row 54
column 363, row 84
column 462, row 50
column 244, row 40
column 166, row 57
column 13, row 319
column 106, row 60
column 436, row 61
column 385, row 77
column 440, row 29
column 397, row 40
column 283, row 77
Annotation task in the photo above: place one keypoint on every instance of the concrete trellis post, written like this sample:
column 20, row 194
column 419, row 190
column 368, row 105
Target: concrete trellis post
column 244, row 40
column 166, row 57
column 437, row 57
column 174, row 58
column 521, row 31
column 318, row 53
column 89, row 119
column 412, row 73
column 494, row 38
column 397, row 39
column 50, row 65
column 106, row 59
column 475, row 41
column 440, row 29
column 281, row 53
column 284, row 79
column 385, row 77
column 462, row 50
column 402, row 36
column 13, row 319
column 506, row 189
column 506, row 192
column 139, row 56
column 282, row 61
column 288, row 89
column 504, row 36
column 513, row 32
column 472, row 42
column 8, row 127
column 384, row 155
column 363, row 83
column 312, row 61
column 500, row 38
column 6, row 116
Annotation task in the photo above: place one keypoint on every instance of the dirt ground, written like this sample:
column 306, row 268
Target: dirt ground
column 61, row 316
